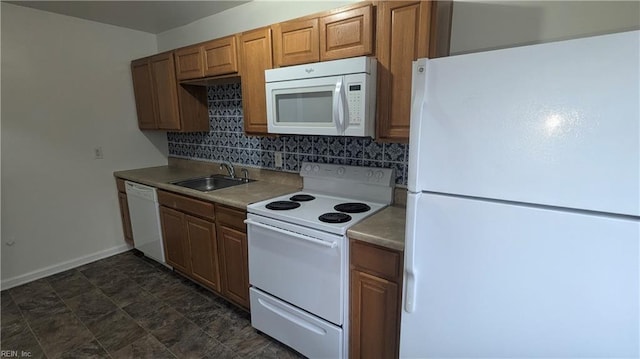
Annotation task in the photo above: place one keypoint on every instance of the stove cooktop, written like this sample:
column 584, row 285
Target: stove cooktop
column 324, row 212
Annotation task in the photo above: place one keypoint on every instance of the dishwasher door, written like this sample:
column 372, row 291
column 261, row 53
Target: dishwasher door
column 145, row 220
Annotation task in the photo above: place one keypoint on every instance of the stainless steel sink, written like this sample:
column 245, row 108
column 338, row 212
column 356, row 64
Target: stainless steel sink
column 211, row 183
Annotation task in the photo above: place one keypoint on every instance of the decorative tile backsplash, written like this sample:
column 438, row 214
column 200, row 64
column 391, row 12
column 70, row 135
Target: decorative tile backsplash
column 226, row 140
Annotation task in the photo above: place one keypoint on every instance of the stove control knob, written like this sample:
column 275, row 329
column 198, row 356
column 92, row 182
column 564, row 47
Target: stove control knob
column 341, row 171
column 307, row 168
column 316, row 168
column 379, row 175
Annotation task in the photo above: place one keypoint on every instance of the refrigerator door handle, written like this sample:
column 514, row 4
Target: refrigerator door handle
column 418, row 89
column 409, row 254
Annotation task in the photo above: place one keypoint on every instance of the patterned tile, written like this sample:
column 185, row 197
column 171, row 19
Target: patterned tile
column 321, row 146
column 337, row 146
column 394, row 152
column 227, row 141
column 354, row 147
column 291, row 163
column 372, row 150
column 272, row 143
column 267, row 160
column 290, row 143
column 305, row 144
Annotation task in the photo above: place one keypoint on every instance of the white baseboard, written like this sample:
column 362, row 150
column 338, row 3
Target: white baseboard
column 61, row 267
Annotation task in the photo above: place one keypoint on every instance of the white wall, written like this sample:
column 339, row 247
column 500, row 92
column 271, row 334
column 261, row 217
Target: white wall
column 485, row 25
column 252, row 15
column 66, row 89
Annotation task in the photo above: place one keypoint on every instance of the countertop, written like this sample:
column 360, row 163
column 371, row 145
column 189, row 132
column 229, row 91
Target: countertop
column 385, row 228
column 237, row 196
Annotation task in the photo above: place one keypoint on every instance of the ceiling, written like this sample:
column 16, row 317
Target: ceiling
column 149, row 16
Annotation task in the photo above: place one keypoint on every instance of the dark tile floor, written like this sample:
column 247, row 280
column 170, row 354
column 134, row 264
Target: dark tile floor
column 126, row 306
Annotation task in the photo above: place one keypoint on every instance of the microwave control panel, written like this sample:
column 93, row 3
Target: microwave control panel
column 354, row 97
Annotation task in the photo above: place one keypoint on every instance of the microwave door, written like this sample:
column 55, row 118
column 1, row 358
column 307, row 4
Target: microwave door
column 306, row 107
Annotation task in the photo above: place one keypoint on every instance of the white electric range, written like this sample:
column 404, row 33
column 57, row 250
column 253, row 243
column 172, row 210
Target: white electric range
column 298, row 255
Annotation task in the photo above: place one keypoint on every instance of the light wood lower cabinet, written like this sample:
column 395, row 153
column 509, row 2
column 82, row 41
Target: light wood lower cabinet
column 234, row 266
column 189, row 236
column 207, row 243
column 203, row 248
column 375, row 294
column 124, row 212
column 176, row 243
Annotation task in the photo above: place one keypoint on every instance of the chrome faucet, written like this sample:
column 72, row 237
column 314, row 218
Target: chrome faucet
column 245, row 174
column 229, row 167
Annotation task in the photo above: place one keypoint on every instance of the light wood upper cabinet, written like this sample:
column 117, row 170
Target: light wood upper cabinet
column 211, row 58
column 255, row 52
column 406, row 31
column 296, row 42
column 164, row 104
column 341, row 33
column 144, row 94
column 189, row 62
column 221, row 56
column 347, row 33
column 164, row 82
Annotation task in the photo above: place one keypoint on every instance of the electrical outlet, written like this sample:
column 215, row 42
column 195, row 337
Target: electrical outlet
column 97, row 153
column 277, row 157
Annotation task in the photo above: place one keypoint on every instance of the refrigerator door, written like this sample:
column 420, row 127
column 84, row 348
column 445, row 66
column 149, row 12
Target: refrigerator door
column 498, row 280
column 555, row 124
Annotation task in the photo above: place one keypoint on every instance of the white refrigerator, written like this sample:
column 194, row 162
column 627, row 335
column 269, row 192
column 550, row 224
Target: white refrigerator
column 523, row 210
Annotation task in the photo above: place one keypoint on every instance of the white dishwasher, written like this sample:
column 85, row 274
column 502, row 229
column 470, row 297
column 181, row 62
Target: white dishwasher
column 145, row 220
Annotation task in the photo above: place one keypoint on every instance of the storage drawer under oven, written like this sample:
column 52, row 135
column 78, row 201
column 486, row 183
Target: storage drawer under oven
column 303, row 267
column 313, row 337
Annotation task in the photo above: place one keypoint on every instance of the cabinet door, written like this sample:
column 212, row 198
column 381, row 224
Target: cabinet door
column 296, row 42
column 406, row 31
column 203, row 249
column 347, row 33
column 235, row 269
column 174, row 236
column 189, row 62
column 221, row 56
column 374, row 317
column 255, row 55
column 126, row 220
column 164, row 81
column 144, row 94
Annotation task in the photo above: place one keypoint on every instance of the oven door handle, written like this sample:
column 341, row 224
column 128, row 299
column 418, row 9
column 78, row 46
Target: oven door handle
column 294, row 234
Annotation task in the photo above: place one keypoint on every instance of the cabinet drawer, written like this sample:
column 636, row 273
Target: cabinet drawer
column 231, row 217
column 120, row 185
column 379, row 261
column 186, row 204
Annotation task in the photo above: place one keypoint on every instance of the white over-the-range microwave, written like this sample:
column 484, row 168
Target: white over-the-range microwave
column 332, row 98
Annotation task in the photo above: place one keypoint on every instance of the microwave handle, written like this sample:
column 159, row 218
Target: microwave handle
column 339, row 98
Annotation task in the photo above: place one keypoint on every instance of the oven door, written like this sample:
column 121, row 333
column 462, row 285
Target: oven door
column 298, row 265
